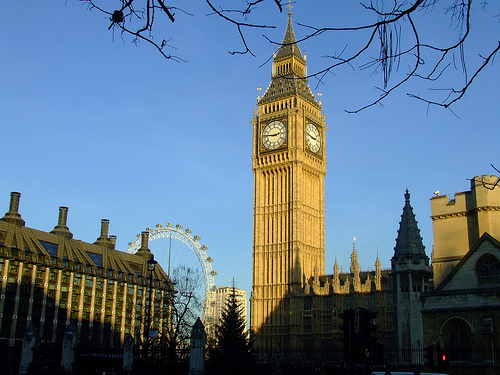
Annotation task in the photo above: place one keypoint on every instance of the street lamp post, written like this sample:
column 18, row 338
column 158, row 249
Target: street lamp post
column 151, row 267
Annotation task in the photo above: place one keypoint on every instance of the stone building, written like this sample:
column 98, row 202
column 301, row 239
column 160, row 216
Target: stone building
column 412, row 275
column 289, row 210
column 463, row 310
column 49, row 280
column 294, row 304
column 452, row 300
column 324, row 298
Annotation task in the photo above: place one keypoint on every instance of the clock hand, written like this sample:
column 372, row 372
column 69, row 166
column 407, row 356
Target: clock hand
column 310, row 135
column 272, row 135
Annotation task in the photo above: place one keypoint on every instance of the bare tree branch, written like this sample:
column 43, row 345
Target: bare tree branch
column 428, row 61
column 240, row 25
column 487, row 184
column 458, row 94
column 127, row 11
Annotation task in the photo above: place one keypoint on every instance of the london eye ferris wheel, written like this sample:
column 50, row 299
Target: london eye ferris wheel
column 174, row 247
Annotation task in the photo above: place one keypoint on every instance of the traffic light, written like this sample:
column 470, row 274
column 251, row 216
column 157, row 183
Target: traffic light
column 442, row 359
column 347, row 329
column 443, row 362
column 429, row 356
column 366, row 327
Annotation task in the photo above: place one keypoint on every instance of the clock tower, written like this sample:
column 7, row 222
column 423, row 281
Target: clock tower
column 289, row 168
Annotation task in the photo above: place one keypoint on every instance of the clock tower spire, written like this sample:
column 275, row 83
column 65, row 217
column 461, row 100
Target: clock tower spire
column 289, row 168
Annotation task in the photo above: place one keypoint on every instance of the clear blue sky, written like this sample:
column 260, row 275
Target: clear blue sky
column 113, row 130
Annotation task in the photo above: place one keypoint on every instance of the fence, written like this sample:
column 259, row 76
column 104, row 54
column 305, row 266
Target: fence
column 473, row 361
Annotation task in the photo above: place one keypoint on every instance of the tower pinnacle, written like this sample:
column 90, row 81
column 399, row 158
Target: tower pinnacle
column 409, row 246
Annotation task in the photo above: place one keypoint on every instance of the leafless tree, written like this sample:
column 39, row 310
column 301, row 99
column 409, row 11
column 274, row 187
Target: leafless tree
column 176, row 314
column 187, row 304
column 396, row 30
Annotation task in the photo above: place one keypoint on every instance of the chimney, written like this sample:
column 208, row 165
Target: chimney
column 112, row 239
column 104, row 228
column 61, row 228
column 103, row 239
column 144, row 250
column 13, row 215
column 144, row 240
column 63, row 216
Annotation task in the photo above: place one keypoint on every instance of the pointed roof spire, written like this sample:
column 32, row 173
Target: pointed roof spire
column 289, row 44
column 336, row 268
column 354, row 258
column 378, row 273
column 289, row 73
column 409, row 242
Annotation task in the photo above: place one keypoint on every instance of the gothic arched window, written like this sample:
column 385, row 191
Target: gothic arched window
column 457, row 336
column 488, row 269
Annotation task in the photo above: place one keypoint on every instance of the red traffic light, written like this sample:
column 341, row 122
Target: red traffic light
column 443, row 361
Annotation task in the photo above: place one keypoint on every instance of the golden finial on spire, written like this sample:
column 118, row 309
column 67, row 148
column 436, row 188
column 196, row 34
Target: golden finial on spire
column 289, row 7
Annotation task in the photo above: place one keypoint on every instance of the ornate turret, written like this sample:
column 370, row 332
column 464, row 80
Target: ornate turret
column 336, row 269
column 378, row 274
column 354, row 268
column 409, row 252
column 410, row 266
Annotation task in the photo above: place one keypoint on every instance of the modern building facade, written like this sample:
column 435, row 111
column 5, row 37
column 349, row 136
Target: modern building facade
column 50, row 280
column 217, row 300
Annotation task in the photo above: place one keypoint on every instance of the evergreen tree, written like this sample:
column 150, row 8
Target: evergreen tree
column 232, row 354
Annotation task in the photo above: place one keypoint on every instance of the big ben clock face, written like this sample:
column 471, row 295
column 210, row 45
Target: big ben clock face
column 274, row 135
column 313, row 138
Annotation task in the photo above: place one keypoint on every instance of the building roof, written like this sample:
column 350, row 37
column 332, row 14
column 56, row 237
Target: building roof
column 485, row 238
column 409, row 245
column 291, row 82
column 289, row 44
column 58, row 249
